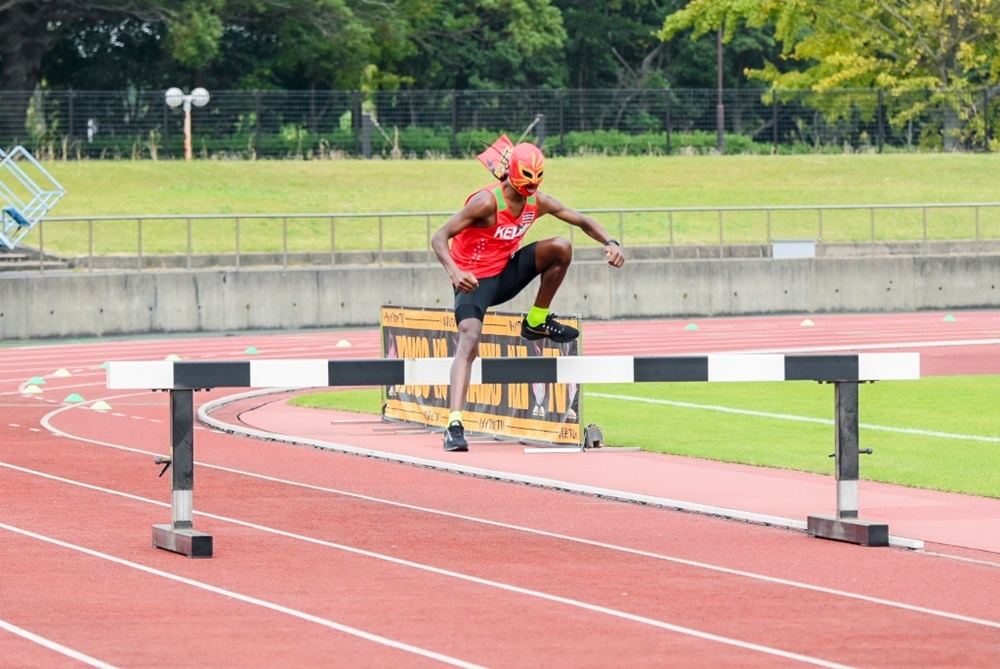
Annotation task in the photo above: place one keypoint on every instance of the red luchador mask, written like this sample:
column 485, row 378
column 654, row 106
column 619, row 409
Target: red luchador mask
column 527, row 165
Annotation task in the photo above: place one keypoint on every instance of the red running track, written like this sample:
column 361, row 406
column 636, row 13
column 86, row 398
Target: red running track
column 325, row 559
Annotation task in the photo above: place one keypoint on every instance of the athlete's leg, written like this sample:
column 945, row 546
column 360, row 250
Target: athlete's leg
column 469, row 331
column 470, row 309
column 549, row 259
column 552, row 260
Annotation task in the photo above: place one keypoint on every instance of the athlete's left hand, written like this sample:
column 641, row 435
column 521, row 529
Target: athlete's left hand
column 613, row 254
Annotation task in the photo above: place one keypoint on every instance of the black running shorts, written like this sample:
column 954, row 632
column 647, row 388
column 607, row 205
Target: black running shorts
column 518, row 273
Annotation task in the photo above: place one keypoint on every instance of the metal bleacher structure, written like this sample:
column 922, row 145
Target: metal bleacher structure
column 27, row 194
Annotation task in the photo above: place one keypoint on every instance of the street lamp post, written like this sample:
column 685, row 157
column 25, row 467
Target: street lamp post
column 720, row 109
column 174, row 98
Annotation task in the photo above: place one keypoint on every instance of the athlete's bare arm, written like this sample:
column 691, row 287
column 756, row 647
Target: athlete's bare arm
column 477, row 211
column 549, row 205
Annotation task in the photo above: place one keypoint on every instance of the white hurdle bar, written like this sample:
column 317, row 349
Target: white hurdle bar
column 182, row 378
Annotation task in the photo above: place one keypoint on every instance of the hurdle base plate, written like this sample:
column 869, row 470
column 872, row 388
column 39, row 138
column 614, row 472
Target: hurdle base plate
column 851, row 530
column 187, row 542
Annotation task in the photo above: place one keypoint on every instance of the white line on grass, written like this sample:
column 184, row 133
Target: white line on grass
column 868, row 347
column 52, row 645
column 792, row 417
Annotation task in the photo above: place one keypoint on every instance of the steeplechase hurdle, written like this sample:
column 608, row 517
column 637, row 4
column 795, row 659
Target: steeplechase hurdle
column 27, row 193
column 845, row 372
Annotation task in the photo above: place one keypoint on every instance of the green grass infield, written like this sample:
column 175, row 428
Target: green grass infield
column 100, row 188
column 941, row 433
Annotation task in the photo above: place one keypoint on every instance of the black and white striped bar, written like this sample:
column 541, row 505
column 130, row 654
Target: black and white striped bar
column 181, row 375
column 181, row 379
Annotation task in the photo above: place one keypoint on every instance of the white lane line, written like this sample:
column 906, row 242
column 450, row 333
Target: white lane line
column 595, row 608
column 44, row 353
column 247, row 599
column 520, row 528
column 58, row 389
column 961, row 558
column 76, row 375
column 18, row 405
column 793, row 417
column 53, row 646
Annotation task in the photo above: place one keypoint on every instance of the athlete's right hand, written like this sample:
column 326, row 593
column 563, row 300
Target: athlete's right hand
column 466, row 282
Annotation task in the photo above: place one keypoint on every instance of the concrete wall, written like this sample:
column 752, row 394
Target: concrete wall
column 81, row 304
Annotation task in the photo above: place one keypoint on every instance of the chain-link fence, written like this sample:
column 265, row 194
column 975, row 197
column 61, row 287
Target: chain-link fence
column 323, row 124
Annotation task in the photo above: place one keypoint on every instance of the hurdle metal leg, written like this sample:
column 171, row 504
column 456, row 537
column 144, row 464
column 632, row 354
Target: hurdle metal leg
column 180, row 536
column 846, row 526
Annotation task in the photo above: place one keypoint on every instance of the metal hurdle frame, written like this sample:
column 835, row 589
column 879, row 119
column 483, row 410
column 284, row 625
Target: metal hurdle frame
column 19, row 215
column 846, row 372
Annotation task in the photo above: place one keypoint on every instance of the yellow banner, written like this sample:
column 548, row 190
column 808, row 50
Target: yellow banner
column 543, row 412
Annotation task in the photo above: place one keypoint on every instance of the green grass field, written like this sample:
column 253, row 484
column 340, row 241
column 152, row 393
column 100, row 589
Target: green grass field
column 347, row 186
column 941, row 433
column 962, row 405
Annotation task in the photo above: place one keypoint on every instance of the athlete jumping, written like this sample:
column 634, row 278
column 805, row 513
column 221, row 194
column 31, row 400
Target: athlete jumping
column 487, row 267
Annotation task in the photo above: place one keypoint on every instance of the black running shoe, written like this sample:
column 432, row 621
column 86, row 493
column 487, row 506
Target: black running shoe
column 551, row 328
column 454, row 438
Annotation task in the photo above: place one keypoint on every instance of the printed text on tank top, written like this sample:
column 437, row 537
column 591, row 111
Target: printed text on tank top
column 484, row 247
column 516, row 225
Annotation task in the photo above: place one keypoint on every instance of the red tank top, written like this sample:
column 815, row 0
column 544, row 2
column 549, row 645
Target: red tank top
column 484, row 251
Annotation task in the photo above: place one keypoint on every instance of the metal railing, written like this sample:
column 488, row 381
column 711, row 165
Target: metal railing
column 180, row 241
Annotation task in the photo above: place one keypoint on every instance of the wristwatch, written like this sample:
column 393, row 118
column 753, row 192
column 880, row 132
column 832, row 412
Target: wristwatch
column 612, row 241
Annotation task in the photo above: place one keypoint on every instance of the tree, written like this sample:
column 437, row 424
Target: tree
column 30, row 28
column 482, row 44
column 293, row 44
column 240, row 44
column 613, row 44
column 945, row 47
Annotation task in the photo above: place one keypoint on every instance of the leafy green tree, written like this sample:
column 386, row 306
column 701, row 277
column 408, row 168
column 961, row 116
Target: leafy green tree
column 946, row 47
column 294, row 44
column 110, row 54
column 615, row 44
column 481, row 44
column 30, row 28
